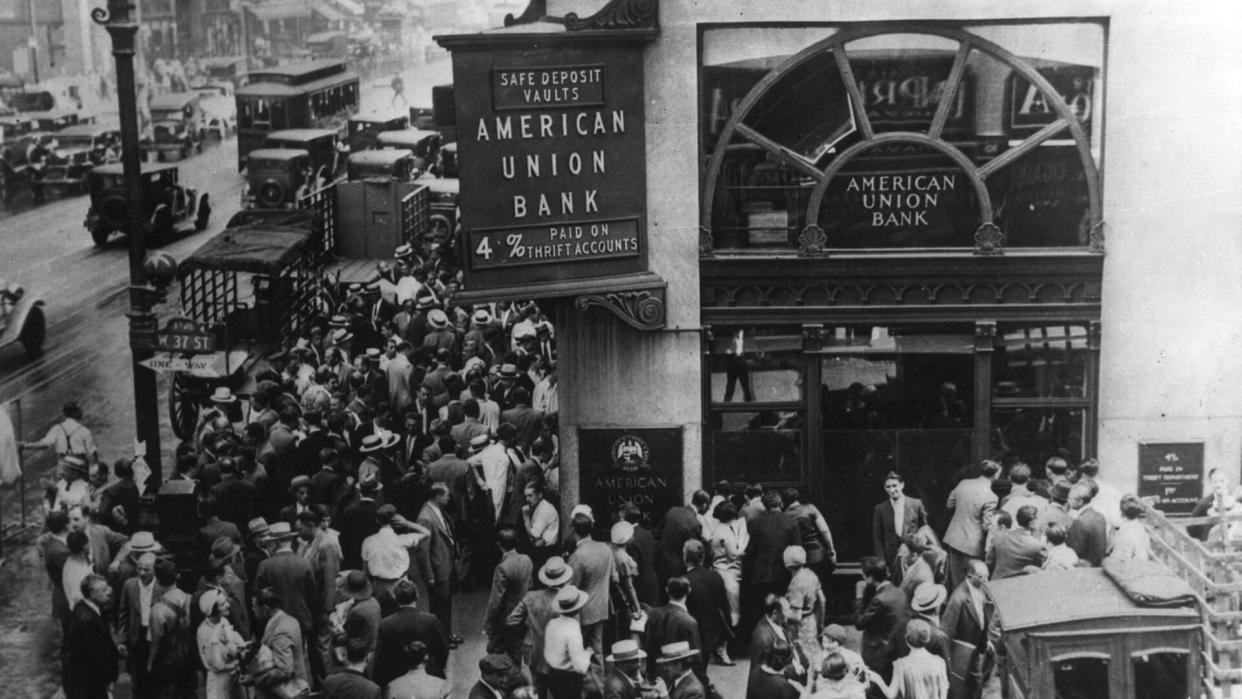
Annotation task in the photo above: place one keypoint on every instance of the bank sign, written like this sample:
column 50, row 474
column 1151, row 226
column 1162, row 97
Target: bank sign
column 553, row 164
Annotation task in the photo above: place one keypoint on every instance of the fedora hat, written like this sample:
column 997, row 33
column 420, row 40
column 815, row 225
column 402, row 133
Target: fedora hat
column 508, row 371
column 673, row 652
column 355, row 585
column 626, row 650
column 258, row 528
column 378, row 441
column 222, row 394
column 570, row 599
column 369, row 483
column 299, row 482
column 224, row 548
column 622, row 533
column 437, row 318
column 280, row 531
column 142, row 542
column 555, row 572
column 928, row 597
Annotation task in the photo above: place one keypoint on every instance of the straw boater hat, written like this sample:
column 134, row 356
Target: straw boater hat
column 676, row 651
column 622, row 533
column 555, row 572
column 75, row 463
column 928, row 597
column 625, row 650
column 378, row 442
column 508, row 371
column 143, row 542
column 481, row 317
column 223, row 395
column 279, row 531
column 299, row 482
column 223, row 549
column 478, row 442
column 424, row 301
column 355, row 585
column 338, row 321
column 437, row 318
column 582, row 510
column 403, row 251
column 570, row 599
column 341, row 335
column 373, row 354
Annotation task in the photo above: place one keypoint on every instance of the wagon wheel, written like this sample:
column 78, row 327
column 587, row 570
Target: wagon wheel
column 183, row 405
column 34, row 330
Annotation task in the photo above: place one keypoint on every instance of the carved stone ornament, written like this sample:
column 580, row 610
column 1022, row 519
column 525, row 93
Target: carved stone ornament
column 706, row 242
column 989, row 240
column 1096, row 238
column 642, row 309
column 811, row 241
column 617, row 14
column 985, row 336
column 812, row 337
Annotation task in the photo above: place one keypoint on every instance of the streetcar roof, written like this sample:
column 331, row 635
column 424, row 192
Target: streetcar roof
column 299, row 135
column 272, row 89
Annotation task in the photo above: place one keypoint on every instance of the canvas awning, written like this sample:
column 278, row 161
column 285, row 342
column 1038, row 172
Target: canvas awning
column 280, row 9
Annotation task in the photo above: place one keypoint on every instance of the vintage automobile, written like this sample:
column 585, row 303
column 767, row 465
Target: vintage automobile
column 448, row 161
column 385, row 165
column 1088, row 641
column 364, row 129
column 219, row 107
column 321, row 144
column 230, row 69
column 19, row 135
column 167, row 207
column 21, row 318
column 55, row 122
column 277, row 178
column 79, row 149
column 177, row 125
column 424, row 144
column 445, row 193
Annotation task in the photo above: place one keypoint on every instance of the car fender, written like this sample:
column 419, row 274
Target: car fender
column 17, row 318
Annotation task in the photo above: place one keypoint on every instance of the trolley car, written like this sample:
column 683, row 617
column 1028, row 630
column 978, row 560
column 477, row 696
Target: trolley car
column 308, row 95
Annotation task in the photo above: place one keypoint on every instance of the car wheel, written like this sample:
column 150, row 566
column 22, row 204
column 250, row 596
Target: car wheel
column 100, row 234
column 34, row 331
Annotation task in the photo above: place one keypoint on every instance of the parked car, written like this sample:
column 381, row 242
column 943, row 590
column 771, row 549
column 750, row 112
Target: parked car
column 21, row 318
column 277, row 177
column 177, row 125
column 386, row 165
column 321, row 144
column 424, row 144
column 167, row 207
column 219, row 107
column 364, row 129
column 448, row 161
column 232, row 69
column 445, row 193
column 79, row 149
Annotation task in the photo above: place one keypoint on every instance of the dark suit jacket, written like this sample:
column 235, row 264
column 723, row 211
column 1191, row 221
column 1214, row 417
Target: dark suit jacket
column 510, row 583
column 709, row 605
column 291, row 576
column 91, row 657
column 235, row 498
column 962, row 624
column 884, row 537
column 356, row 523
column 1088, row 536
column 129, row 611
column 349, row 684
column 1013, row 551
column 643, row 550
column 526, row 420
column 55, row 553
column 688, row 688
column 761, row 641
column 680, row 525
column 123, row 493
column 879, row 616
column 436, row 554
column 308, row 451
column 618, row 686
column 399, row 629
column 324, row 485
column 668, row 624
column 453, row 472
column 766, row 685
column 771, row 531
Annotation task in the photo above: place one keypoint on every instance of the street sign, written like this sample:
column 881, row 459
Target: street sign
column 185, row 336
column 167, row 362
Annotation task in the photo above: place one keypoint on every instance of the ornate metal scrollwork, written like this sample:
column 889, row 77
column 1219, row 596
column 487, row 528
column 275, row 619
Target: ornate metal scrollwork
column 642, row 309
column 1095, row 238
column 100, row 15
column 535, row 11
column 707, row 242
column 618, row 14
column 989, row 240
column 811, row 241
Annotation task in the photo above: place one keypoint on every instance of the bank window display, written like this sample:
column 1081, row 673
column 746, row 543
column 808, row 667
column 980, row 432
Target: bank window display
column 880, row 138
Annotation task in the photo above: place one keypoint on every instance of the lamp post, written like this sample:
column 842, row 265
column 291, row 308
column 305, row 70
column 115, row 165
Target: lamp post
column 122, row 27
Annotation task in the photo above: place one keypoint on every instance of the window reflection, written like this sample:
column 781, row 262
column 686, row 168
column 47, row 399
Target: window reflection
column 758, row 446
column 1040, row 362
column 756, row 365
column 1034, row 435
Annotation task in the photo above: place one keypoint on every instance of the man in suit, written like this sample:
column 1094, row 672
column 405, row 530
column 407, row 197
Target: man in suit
column 771, row 681
column 680, row 525
column 55, row 550
column 91, row 656
column 972, row 502
column 510, row 583
column 351, row 682
column 676, row 663
column 299, row 490
column 533, row 613
column 357, row 522
column 453, row 471
column 1017, row 548
column 966, row 619
column 879, row 611
column 282, row 636
column 594, row 566
column 769, row 631
column 405, row 626
column 671, row 623
column 235, row 496
column 625, row 680
column 523, row 417
column 708, row 604
column 118, row 506
column 133, row 621
column 1088, row 535
column 435, row 559
column 763, row 566
column 291, row 576
column 497, row 676
column 894, row 519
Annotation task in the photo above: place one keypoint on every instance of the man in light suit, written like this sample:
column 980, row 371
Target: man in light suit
column 894, row 519
column 436, row 556
column 594, row 565
column 966, row 619
column 282, row 635
column 972, row 503
column 133, row 621
column 1088, row 535
column 510, row 583
column 1017, row 548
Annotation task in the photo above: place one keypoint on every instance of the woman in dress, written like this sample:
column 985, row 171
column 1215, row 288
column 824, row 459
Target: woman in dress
column 728, row 539
column 219, row 647
column 806, row 600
